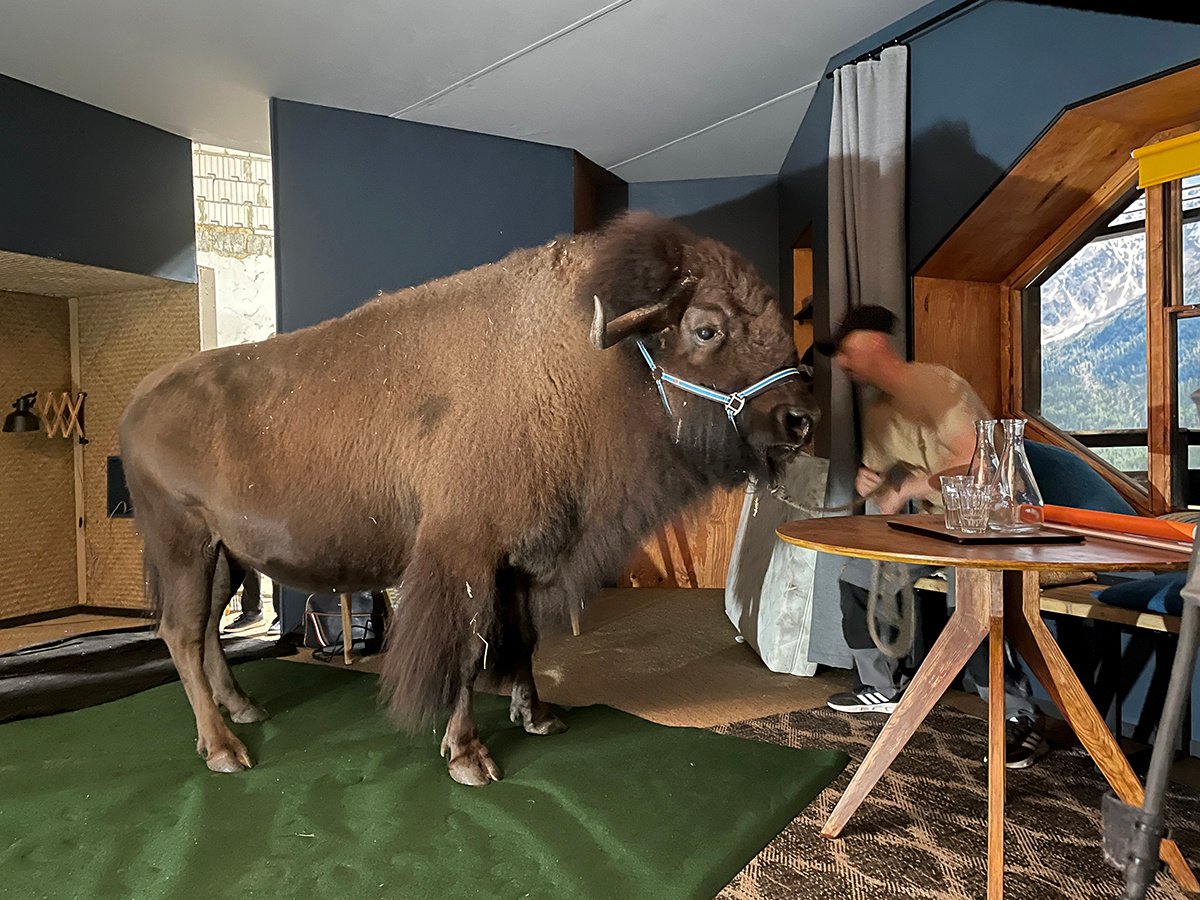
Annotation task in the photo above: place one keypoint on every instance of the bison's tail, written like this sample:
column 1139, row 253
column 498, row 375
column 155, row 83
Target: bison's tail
column 437, row 638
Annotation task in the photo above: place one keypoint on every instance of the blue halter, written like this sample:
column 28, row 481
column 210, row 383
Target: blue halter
column 734, row 403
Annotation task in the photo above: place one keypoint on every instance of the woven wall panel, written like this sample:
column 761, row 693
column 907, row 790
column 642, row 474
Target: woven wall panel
column 37, row 480
column 57, row 278
column 122, row 338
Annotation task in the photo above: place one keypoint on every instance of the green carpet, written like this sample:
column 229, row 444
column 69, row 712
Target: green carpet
column 112, row 802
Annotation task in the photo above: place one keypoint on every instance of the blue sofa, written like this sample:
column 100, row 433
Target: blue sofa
column 1066, row 480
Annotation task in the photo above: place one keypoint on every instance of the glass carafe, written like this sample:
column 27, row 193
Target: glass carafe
column 1018, row 507
column 984, row 462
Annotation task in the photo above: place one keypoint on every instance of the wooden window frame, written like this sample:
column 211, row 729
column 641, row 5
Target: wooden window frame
column 1167, row 452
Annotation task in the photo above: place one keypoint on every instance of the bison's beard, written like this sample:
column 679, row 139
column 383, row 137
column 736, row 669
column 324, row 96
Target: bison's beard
column 704, row 435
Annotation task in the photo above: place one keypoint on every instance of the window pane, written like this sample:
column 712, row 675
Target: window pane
column 1134, row 212
column 1093, row 349
column 1191, row 193
column 1191, row 262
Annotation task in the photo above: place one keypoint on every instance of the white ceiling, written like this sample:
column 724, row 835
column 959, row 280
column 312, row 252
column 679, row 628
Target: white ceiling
column 724, row 83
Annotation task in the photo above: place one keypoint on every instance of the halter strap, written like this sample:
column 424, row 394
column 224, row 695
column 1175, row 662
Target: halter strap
column 734, row 403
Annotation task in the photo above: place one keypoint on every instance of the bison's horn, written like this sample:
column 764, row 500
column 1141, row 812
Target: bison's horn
column 644, row 318
column 597, row 334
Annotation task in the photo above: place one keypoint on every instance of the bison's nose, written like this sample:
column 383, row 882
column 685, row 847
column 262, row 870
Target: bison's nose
column 795, row 423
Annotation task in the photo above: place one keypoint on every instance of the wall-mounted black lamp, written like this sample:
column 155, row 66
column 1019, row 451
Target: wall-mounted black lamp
column 23, row 418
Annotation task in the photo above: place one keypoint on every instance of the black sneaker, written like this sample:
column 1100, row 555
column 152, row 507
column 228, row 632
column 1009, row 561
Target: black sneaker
column 1024, row 743
column 274, row 628
column 245, row 622
column 864, row 700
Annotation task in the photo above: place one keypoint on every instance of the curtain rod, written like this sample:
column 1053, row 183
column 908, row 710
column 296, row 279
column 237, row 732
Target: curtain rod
column 916, row 31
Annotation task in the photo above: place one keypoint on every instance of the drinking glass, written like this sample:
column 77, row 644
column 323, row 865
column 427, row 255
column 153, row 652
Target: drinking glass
column 950, row 484
column 974, row 506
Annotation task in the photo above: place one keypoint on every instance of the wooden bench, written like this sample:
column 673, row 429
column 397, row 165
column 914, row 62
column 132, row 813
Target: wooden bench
column 1076, row 600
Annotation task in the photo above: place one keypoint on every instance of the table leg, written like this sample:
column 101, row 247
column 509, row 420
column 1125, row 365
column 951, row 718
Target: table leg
column 996, row 745
column 1034, row 642
column 958, row 640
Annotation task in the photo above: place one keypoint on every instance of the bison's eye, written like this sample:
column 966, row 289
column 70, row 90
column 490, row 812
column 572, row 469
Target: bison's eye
column 706, row 334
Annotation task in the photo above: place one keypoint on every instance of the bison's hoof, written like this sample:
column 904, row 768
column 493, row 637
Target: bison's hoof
column 474, row 767
column 251, row 713
column 232, row 757
column 538, row 720
column 547, row 724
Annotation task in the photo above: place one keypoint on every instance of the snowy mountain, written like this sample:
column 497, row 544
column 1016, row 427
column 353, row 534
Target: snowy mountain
column 1094, row 338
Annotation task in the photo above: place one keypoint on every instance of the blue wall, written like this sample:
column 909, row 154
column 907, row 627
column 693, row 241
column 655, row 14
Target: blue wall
column 366, row 203
column 81, row 184
column 741, row 212
column 986, row 84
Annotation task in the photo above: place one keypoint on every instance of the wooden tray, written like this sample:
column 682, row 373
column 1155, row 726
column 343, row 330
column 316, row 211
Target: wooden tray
column 935, row 527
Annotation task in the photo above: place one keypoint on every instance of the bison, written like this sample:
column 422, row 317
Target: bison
column 495, row 442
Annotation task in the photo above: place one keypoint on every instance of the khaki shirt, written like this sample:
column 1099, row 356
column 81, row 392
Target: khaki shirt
column 921, row 427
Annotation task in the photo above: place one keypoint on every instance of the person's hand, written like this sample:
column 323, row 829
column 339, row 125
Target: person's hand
column 867, row 481
column 891, row 502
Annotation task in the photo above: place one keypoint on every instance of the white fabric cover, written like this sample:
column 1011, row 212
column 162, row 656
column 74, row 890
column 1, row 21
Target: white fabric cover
column 769, row 585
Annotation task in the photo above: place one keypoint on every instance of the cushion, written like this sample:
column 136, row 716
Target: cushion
column 1156, row 594
column 1066, row 480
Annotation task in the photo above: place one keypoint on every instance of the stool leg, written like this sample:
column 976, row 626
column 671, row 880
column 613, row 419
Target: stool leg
column 347, row 637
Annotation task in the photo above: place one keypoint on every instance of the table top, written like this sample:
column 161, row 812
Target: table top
column 870, row 537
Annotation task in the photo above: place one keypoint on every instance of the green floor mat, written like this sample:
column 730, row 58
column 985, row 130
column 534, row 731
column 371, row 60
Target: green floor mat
column 112, row 802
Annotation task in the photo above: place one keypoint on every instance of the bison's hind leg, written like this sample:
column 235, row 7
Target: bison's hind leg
column 228, row 575
column 185, row 568
column 518, row 641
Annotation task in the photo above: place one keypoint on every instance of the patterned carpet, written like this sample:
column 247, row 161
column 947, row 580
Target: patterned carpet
column 922, row 833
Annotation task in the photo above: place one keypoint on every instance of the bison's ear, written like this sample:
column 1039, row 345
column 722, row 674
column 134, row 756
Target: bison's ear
column 638, row 283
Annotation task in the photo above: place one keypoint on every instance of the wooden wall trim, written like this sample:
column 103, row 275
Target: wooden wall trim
column 1163, row 290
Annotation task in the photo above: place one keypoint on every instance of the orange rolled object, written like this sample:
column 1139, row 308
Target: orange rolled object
column 1163, row 529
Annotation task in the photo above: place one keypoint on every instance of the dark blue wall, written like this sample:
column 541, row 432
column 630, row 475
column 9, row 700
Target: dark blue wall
column 986, row 84
column 741, row 212
column 81, row 184
column 365, row 203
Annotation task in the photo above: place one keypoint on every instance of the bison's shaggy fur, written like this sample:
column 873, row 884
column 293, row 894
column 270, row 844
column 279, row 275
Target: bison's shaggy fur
column 491, row 441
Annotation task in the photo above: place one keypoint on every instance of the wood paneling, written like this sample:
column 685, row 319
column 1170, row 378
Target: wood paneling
column 1052, row 182
column 957, row 324
column 692, row 550
column 802, row 296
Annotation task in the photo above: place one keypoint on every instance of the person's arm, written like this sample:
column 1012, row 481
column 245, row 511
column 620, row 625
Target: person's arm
column 922, row 485
column 956, row 433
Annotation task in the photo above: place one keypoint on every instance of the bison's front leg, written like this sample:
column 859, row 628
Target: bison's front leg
column 469, row 760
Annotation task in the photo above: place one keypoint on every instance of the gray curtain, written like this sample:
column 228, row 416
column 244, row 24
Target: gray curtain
column 868, row 138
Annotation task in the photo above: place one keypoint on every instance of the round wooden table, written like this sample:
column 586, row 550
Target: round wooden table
column 997, row 595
